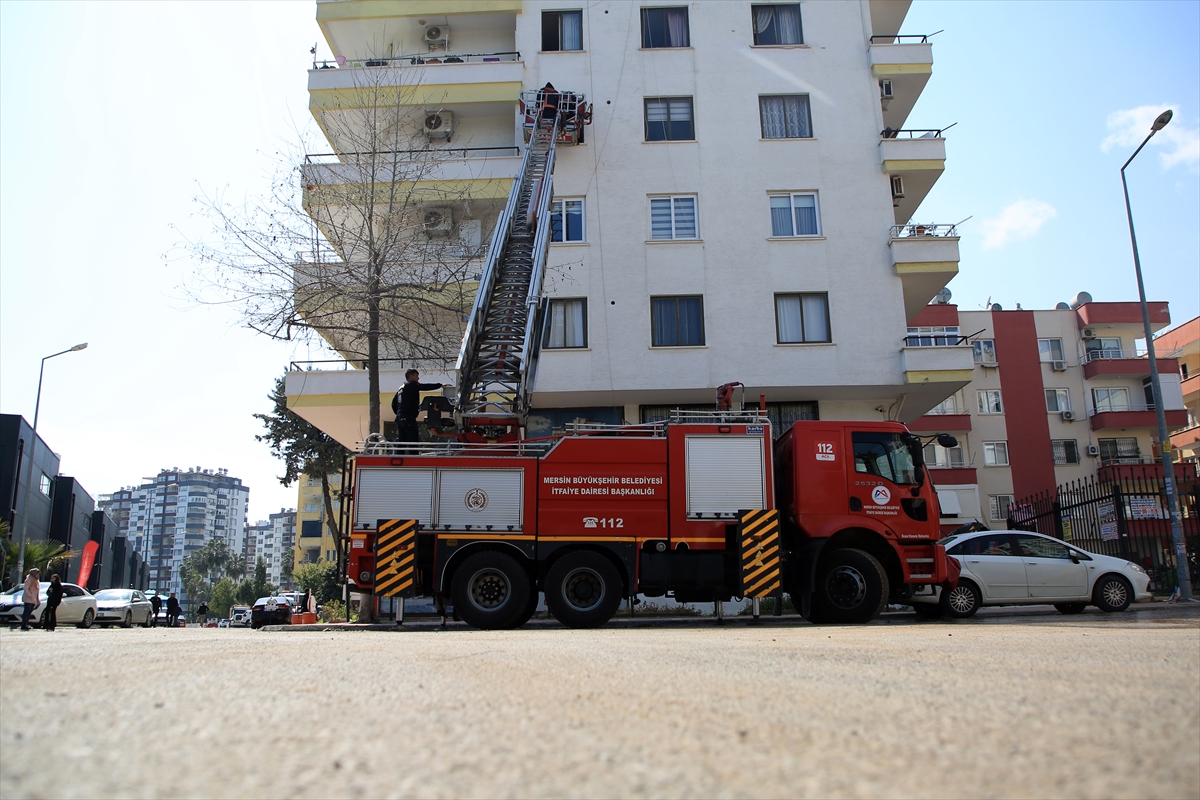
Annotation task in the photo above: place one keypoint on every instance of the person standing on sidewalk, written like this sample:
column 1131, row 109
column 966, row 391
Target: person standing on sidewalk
column 156, row 606
column 54, row 597
column 31, row 596
column 172, row 611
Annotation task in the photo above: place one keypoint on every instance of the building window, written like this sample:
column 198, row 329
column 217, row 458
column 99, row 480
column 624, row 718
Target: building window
column 562, row 30
column 951, row 405
column 989, row 402
column 802, row 318
column 999, row 505
column 777, row 24
column 995, row 454
column 566, row 221
column 795, row 215
column 1058, row 400
column 1066, row 451
column 665, row 27
column 785, row 117
column 933, row 336
column 1103, row 348
column 673, row 218
column 1124, row 449
column 44, row 484
column 1110, row 400
column 985, row 351
column 567, row 326
column 1050, row 350
column 938, row 456
column 669, row 119
column 676, row 321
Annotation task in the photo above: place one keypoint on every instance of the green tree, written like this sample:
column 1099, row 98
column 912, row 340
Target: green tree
column 259, row 584
column 245, row 593
column 320, row 578
column 204, row 567
column 304, row 450
column 224, row 597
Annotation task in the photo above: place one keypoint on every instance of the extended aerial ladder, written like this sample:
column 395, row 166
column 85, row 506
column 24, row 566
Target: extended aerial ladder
column 498, row 358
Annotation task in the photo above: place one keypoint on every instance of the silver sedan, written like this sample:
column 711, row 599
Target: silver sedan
column 123, row 607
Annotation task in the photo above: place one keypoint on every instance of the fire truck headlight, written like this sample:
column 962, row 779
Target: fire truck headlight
column 364, row 577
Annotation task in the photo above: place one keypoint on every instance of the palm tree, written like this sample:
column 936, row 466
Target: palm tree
column 45, row 554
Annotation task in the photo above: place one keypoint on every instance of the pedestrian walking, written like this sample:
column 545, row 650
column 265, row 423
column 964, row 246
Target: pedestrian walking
column 31, row 596
column 172, row 611
column 156, row 605
column 202, row 613
column 407, row 402
column 54, row 596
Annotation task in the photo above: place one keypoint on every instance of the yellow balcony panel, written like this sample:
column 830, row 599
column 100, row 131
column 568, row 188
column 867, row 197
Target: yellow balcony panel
column 926, row 259
column 418, row 192
column 328, row 10
column 436, row 95
column 960, row 376
column 931, row 374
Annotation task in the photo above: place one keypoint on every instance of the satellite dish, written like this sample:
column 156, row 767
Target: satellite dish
column 943, row 297
column 996, row 307
column 1062, row 307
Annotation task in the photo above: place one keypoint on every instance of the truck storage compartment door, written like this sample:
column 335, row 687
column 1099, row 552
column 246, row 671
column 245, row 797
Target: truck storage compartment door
column 724, row 475
column 393, row 493
column 480, row 498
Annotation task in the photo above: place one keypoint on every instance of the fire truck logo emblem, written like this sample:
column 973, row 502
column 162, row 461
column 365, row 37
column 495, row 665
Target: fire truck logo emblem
column 880, row 495
column 476, row 500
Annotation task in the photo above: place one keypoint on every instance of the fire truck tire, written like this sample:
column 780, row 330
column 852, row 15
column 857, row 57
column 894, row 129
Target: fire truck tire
column 491, row 591
column 852, row 587
column 530, row 607
column 583, row 590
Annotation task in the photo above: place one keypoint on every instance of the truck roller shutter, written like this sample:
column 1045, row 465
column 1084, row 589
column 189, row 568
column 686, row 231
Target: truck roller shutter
column 480, row 497
column 724, row 474
column 393, row 494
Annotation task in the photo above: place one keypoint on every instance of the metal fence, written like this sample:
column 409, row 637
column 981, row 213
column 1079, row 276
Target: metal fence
column 1122, row 513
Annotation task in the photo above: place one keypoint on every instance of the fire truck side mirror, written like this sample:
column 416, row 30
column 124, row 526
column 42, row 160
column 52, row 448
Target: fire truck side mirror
column 946, row 440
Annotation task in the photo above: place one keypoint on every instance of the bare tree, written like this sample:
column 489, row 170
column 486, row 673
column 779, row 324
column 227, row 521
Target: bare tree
column 356, row 245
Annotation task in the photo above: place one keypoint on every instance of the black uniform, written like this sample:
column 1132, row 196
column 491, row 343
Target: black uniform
column 405, row 404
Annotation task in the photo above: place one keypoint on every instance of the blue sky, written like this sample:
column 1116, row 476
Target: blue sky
column 112, row 116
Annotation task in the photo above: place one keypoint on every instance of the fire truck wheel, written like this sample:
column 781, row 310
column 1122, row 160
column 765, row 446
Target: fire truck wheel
column 491, row 591
column 852, row 587
column 583, row 590
column 530, row 607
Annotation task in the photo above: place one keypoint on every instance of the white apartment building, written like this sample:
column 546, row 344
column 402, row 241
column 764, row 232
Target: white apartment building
column 1056, row 396
column 171, row 515
column 739, row 209
column 276, row 543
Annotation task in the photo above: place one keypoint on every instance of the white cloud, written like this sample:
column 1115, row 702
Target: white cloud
column 1179, row 144
column 1016, row 222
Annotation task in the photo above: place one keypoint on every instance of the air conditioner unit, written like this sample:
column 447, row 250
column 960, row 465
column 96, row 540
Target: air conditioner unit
column 897, row 187
column 1068, row 416
column 1088, row 334
column 1093, row 450
column 439, row 124
column 438, row 221
column 885, row 90
column 1058, row 366
column 437, row 36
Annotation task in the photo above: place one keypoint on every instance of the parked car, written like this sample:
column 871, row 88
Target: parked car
column 1001, row 568
column 271, row 611
column 78, row 606
column 124, row 607
column 224, row 623
column 162, row 620
column 239, row 616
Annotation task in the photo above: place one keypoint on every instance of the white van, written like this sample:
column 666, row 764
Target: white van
column 239, row 617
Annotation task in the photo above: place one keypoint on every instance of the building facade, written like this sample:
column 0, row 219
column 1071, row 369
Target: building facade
column 739, row 208
column 16, row 436
column 315, row 538
column 1183, row 342
column 276, row 545
column 1056, row 396
column 170, row 516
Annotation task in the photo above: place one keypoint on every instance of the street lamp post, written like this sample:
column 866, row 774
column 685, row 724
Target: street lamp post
column 37, row 408
column 1181, row 566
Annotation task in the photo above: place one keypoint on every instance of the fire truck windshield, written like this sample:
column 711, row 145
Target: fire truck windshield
column 886, row 455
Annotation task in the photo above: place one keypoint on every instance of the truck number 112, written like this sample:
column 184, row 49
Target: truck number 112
column 604, row 522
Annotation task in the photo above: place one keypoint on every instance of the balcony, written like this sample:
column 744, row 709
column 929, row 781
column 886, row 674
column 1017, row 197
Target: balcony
column 931, row 374
column 926, row 259
column 432, row 174
column 954, row 475
column 942, row 422
column 1122, row 317
column 1140, row 416
column 917, row 158
column 906, row 62
column 1124, row 364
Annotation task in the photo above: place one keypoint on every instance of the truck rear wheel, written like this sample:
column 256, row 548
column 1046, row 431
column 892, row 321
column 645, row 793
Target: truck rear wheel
column 583, row 590
column 852, row 587
column 491, row 591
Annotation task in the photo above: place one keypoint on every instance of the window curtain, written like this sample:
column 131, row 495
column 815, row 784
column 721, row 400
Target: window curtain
column 788, row 24
column 816, row 318
column 677, row 27
column 795, row 111
column 660, row 218
column 773, row 124
column 679, row 118
column 567, row 320
column 663, row 322
column 806, row 214
column 657, row 118
column 787, row 315
column 763, row 17
column 781, row 216
column 685, row 218
column 691, row 321
column 572, row 30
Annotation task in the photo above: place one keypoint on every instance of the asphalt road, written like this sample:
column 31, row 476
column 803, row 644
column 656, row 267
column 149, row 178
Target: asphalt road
column 1027, row 704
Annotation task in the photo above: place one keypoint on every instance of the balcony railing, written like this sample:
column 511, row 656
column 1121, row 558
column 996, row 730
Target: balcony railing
column 1132, row 405
column 914, row 133
column 344, row 365
column 417, row 59
column 1099, row 355
column 448, row 152
column 906, row 38
column 940, row 411
column 914, row 229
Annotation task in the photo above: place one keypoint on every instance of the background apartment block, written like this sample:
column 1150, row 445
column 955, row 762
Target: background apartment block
column 276, row 544
column 170, row 516
column 315, row 538
column 738, row 208
column 1184, row 343
column 1056, row 396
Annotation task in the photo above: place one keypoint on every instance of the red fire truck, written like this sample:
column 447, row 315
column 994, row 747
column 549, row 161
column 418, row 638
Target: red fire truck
column 705, row 506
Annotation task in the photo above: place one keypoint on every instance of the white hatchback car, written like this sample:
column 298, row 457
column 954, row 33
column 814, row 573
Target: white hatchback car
column 1001, row 568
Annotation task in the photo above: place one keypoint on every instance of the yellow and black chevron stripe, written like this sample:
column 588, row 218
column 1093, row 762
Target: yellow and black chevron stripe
column 395, row 556
column 759, row 535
